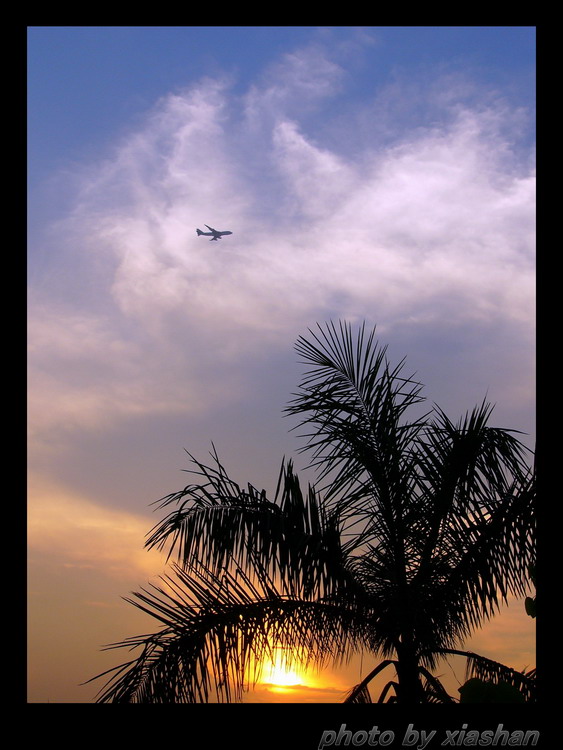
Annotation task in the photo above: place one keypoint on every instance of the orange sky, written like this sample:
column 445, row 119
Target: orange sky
column 84, row 557
column 508, row 638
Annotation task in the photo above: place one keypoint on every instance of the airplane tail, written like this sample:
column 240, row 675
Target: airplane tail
column 199, row 232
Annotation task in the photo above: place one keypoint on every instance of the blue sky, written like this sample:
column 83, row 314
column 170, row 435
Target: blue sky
column 383, row 174
column 71, row 112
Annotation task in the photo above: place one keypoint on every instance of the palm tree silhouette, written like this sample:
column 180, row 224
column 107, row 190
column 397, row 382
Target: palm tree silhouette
column 415, row 534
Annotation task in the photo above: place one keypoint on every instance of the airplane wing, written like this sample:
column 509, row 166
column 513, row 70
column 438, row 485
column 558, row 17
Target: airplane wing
column 210, row 228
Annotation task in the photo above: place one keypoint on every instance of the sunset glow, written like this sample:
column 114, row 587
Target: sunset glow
column 381, row 176
column 279, row 674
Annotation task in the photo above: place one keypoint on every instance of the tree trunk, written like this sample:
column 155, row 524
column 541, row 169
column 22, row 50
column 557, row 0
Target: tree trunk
column 410, row 687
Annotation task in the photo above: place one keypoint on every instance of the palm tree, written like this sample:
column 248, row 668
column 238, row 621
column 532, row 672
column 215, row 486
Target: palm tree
column 414, row 535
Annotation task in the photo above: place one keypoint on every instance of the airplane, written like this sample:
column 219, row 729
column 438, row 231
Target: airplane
column 213, row 233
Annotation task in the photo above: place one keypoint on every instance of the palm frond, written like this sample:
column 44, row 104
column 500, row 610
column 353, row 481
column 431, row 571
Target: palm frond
column 470, row 525
column 216, row 633
column 419, row 531
column 391, row 685
column 215, row 510
column 295, row 535
column 488, row 559
column 360, row 692
column 497, row 673
column 353, row 401
column 433, row 689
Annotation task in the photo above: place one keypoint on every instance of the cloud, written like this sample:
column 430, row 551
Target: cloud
column 432, row 232
column 76, row 532
column 297, row 85
column 298, row 694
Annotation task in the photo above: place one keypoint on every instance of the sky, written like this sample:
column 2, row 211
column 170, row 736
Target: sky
column 377, row 174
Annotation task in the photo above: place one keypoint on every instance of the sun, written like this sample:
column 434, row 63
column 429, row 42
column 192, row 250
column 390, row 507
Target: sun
column 277, row 673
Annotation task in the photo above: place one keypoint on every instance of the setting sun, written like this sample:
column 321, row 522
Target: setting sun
column 279, row 674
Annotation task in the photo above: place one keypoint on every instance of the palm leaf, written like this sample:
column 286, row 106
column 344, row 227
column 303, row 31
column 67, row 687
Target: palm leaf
column 295, row 536
column 360, row 692
column 495, row 672
column 217, row 632
column 420, row 530
column 489, row 559
column 353, row 402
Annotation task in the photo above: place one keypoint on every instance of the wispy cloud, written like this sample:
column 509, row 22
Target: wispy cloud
column 75, row 532
column 429, row 234
column 295, row 86
column 436, row 229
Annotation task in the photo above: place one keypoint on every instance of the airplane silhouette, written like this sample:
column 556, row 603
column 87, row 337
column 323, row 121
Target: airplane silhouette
column 213, row 233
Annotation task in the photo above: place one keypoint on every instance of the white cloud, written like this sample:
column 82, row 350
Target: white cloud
column 296, row 85
column 435, row 230
column 318, row 181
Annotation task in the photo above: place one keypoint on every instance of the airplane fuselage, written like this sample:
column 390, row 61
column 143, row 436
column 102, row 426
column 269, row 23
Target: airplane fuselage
column 213, row 233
